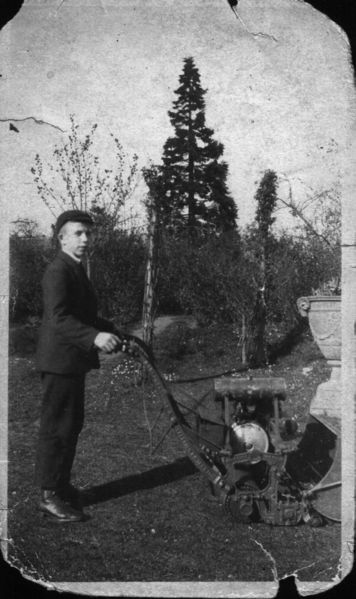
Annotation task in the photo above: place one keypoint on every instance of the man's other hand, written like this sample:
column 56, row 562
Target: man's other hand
column 107, row 342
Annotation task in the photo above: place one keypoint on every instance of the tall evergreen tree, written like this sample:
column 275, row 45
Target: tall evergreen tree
column 266, row 197
column 192, row 180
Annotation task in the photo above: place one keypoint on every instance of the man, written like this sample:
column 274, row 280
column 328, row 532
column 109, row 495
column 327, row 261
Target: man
column 70, row 337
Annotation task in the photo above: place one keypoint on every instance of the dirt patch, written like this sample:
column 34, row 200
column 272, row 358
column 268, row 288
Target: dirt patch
column 161, row 323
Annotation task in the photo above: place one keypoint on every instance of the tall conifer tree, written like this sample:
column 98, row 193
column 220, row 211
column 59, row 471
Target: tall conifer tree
column 266, row 197
column 192, row 180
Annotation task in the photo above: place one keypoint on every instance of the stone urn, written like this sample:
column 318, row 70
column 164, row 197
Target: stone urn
column 324, row 315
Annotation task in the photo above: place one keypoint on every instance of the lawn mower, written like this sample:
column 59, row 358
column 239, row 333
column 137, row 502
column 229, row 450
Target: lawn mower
column 259, row 465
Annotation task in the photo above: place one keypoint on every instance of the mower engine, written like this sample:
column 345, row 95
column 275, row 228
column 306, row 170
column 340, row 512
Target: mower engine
column 245, row 433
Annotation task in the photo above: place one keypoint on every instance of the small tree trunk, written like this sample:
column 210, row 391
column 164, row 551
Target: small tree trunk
column 257, row 353
column 150, row 278
column 257, row 350
column 243, row 340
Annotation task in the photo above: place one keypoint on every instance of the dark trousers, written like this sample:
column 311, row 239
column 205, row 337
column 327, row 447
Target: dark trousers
column 61, row 421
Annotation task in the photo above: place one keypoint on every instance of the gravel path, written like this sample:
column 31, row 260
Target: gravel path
column 162, row 322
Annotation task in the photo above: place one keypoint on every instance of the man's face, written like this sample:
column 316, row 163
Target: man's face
column 75, row 238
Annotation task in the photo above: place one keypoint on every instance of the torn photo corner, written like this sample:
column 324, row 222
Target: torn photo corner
column 213, row 144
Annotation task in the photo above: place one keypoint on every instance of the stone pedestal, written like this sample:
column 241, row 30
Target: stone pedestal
column 327, row 400
column 324, row 314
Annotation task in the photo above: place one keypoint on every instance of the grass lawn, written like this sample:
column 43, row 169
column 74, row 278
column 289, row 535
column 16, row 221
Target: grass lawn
column 152, row 516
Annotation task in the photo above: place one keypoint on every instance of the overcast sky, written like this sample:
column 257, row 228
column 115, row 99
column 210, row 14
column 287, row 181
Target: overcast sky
column 276, row 86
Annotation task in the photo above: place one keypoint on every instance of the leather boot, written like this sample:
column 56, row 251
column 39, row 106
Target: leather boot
column 52, row 505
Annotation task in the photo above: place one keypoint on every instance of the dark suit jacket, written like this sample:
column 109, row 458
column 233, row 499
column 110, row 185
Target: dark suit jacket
column 70, row 322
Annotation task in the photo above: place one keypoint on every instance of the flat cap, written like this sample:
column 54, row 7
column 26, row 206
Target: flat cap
column 74, row 216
